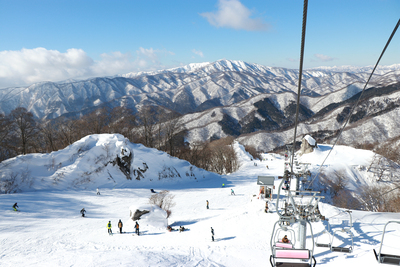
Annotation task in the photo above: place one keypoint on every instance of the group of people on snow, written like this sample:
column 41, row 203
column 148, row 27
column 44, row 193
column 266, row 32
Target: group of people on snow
column 120, row 225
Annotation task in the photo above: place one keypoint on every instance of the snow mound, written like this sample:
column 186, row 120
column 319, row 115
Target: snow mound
column 103, row 160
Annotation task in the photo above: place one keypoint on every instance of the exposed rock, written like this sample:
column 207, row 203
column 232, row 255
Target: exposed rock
column 307, row 145
column 138, row 213
column 123, row 161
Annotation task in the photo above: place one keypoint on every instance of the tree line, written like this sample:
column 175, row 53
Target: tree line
column 21, row 133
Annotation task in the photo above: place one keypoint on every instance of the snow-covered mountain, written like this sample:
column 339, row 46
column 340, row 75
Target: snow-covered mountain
column 187, row 89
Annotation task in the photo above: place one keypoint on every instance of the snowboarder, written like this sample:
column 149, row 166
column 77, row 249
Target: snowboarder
column 181, row 229
column 207, row 204
column 83, row 211
column 285, row 239
column 137, row 228
column 169, row 228
column 97, row 191
column 212, row 234
column 120, row 226
column 109, row 228
column 15, row 206
column 232, row 192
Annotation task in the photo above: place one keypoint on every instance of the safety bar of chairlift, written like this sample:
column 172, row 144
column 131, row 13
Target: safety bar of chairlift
column 292, row 254
column 330, row 241
column 386, row 258
column 293, row 264
column 346, row 230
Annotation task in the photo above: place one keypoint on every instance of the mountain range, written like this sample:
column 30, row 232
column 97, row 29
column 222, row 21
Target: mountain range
column 252, row 102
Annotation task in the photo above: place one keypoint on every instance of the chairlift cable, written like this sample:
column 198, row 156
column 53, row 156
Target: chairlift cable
column 303, row 37
column 358, row 100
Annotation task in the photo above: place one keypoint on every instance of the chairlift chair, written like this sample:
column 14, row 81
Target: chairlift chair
column 277, row 238
column 346, row 230
column 387, row 258
column 291, row 257
column 325, row 232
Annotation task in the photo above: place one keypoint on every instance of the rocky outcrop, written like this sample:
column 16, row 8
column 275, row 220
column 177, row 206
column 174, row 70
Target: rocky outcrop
column 138, row 213
column 307, row 145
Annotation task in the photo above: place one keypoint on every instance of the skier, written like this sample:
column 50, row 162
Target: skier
column 97, row 191
column 152, row 190
column 232, row 193
column 83, row 211
column 120, row 226
column 207, row 203
column 137, row 228
column 15, row 206
column 109, row 228
column 212, row 234
column 266, row 207
column 181, row 229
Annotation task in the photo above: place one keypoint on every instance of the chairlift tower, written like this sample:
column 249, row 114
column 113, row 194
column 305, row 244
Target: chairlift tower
column 301, row 207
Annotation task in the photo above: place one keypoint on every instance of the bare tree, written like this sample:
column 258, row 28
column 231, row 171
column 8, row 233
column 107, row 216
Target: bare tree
column 147, row 126
column 6, row 130
column 25, row 126
column 164, row 200
column 97, row 121
column 122, row 121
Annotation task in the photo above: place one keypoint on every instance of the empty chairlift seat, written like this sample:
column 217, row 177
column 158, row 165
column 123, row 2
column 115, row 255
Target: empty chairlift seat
column 387, row 258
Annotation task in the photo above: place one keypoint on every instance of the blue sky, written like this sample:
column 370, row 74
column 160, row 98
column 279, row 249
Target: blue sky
column 53, row 40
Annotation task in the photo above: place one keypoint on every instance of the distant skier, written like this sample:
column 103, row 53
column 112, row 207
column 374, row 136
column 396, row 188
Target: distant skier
column 207, row 204
column 181, row 229
column 212, row 234
column 83, row 211
column 15, row 206
column 152, row 190
column 266, row 207
column 109, row 228
column 232, row 192
column 120, row 226
column 97, row 191
column 137, row 228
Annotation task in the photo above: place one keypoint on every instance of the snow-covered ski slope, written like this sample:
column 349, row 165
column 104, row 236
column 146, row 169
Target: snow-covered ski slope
column 49, row 230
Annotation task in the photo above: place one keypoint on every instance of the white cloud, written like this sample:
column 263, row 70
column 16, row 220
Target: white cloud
column 233, row 14
column 199, row 53
column 323, row 58
column 28, row 66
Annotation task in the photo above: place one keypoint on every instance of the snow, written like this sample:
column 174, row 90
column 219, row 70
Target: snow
column 310, row 140
column 49, row 230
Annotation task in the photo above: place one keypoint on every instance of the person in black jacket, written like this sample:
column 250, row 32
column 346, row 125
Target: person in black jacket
column 15, row 206
column 120, row 226
column 83, row 211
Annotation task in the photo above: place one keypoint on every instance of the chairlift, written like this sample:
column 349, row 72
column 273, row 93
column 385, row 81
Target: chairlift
column 346, row 230
column 278, row 237
column 387, row 258
column 289, row 256
column 325, row 232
